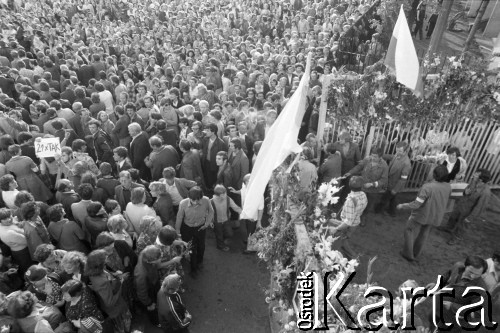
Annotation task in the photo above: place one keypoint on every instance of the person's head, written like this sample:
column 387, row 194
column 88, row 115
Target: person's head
column 171, row 284
column 376, row 153
column 356, row 183
column 37, row 276
column 138, row 195
column 453, row 154
column 474, row 267
column 20, row 304
column 155, row 142
column 8, row 183
column 169, row 175
column 22, row 197
column 235, row 145
column 79, row 146
column 167, row 235
column 220, row 191
column 56, row 212
column 307, row 154
column 221, row 158
column 86, row 191
column 440, row 173
column 112, row 207
column 105, row 241
column 117, row 224
column 5, row 216
column 483, row 175
column 130, row 109
column 195, row 194
column 185, row 145
column 14, row 150
column 211, row 130
column 96, row 261
column 151, row 254
column 401, row 148
column 120, row 153
column 72, row 290
column 73, row 262
column 271, row 116
column 157, row 189
column 311, row 139
column 125, row 179
column 30, row 211
column 134, row 129
column 150, row 225
column 345, row 137
column 95, row 209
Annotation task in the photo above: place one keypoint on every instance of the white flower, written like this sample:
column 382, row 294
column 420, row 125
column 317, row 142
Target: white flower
column 496, row 95
column 290, row 312
column 452, row 59
column 317, row 212
column 334, row 200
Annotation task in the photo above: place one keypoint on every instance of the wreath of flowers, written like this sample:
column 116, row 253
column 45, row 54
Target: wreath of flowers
column 453, row 90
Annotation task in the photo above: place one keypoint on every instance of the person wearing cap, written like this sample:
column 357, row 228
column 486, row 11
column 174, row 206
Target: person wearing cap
column 44, row 285
column 173, row 315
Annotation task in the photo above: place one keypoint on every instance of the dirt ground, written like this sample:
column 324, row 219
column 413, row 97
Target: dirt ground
column 383, row 237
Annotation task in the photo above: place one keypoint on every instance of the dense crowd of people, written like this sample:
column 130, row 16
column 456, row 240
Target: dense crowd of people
column 160, row 110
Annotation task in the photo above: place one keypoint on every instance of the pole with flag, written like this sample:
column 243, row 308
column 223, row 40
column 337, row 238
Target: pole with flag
column 279, row 142
column 402, row 58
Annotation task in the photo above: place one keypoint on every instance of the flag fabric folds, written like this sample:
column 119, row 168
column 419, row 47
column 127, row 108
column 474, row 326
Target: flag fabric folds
column 402, row 57
column 279, row 142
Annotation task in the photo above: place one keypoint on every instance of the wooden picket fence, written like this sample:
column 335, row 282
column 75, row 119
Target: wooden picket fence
column 475, row 141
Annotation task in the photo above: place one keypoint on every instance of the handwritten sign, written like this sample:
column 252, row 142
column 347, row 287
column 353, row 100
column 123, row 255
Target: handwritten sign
column 47, row 147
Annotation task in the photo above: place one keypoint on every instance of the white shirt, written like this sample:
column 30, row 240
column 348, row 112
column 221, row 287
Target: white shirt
column 174, row 194
column 9, row 197
column 107, row 98
column 136, row 212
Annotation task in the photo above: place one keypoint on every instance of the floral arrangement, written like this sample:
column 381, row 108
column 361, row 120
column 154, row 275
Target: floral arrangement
column 277, row 245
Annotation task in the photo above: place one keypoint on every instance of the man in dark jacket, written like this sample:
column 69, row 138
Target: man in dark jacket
column 211, row 146
column 162, row 156
column 102, row 143
column 147, row 279
column 124, row 190
column 139, row 150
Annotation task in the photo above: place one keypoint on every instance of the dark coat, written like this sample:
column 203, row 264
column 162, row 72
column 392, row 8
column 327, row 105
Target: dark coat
column 84, row 74
column 139, row 150
column 217, row 146
column 169, row 137
column 103, row 150
column 191, row 166
column 167, row 157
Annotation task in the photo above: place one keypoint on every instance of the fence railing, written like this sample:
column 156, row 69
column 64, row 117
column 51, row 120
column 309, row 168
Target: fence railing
column 479, row 144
